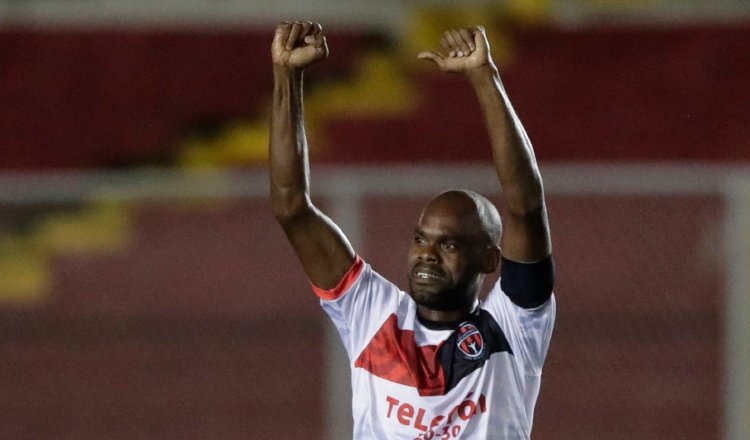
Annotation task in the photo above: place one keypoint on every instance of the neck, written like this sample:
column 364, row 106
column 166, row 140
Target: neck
column 446, row 317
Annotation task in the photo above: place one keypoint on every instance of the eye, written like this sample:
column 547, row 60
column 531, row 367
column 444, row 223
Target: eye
column 449, row 245
column 419, row 241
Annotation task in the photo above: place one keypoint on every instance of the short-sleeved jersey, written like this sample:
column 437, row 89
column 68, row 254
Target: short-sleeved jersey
column 479, row 380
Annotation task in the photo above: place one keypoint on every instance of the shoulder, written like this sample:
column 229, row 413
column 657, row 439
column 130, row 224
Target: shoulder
column 514, row 317
column 358, row 282
column 352, row 276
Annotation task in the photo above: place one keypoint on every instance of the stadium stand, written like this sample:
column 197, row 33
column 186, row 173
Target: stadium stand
column 177, row 336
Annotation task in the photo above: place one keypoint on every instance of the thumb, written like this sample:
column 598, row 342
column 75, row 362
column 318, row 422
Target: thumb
column 316, row 51
column 315, row 40
column 320, row 45
column 433, row 56
column 480, row 38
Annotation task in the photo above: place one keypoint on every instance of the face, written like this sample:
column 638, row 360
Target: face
column 446, row 257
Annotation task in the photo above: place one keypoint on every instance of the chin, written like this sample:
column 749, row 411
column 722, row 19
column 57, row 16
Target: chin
column 443, row 298
column 422, row 297
column 442, row 301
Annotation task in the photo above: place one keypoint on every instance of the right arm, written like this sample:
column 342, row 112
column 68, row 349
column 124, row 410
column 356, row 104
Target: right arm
column 324, row 251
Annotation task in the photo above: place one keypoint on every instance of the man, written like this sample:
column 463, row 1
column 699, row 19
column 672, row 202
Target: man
column 433, row 363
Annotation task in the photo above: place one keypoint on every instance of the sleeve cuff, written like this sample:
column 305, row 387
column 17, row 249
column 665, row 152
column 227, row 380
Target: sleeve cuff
column 346, row 282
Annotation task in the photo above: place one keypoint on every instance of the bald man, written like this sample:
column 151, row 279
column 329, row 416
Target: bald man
column 434, row 362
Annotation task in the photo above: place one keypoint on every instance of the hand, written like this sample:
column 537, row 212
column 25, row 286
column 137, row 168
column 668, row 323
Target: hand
column 463, row 50
column 298, row 45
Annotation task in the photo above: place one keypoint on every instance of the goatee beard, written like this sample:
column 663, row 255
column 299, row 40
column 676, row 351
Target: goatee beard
column 447, row 300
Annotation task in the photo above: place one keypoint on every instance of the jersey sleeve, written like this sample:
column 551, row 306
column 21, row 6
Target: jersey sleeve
column 528, row 330
column 359, row 305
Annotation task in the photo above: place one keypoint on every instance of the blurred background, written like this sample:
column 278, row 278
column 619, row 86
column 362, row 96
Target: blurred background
column 147, row 293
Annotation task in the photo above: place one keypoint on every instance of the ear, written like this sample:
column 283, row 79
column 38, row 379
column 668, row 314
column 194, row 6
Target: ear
column 491, row 259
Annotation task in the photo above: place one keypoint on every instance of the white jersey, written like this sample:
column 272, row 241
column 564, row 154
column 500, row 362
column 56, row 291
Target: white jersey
column 479, row 381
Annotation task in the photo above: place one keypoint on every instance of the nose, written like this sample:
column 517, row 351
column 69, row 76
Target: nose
column 427, row 254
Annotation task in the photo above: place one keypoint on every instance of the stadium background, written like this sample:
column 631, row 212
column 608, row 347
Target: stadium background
column 146, row 293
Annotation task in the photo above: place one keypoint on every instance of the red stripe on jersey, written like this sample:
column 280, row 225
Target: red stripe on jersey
column 393, row 355
column 346, row 282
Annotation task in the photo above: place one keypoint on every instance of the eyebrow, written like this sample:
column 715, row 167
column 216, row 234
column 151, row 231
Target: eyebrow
column 444, row 237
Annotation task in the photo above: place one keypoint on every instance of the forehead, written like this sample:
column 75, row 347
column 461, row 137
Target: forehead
column 450, row 218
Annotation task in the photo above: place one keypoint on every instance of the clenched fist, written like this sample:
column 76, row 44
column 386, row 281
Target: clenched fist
column 298, row 44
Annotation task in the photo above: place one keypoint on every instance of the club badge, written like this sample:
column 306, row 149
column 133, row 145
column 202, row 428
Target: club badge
column 470, row 342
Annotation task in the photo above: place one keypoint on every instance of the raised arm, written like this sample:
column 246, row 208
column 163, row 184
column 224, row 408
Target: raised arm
column 526, row 235
column 323, row 250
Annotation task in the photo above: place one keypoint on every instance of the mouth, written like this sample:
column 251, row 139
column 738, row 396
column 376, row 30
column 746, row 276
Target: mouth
column 423, row 275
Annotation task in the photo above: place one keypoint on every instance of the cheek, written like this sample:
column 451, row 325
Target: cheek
column 463, row 266
column 411, row 253
column 411, row 256
column 456, row 265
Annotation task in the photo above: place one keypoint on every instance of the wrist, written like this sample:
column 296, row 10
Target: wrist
column 483, row 74
column 287, row 82
column 282, row 72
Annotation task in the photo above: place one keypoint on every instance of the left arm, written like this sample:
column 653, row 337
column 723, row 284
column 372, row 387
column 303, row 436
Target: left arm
column 526, row 236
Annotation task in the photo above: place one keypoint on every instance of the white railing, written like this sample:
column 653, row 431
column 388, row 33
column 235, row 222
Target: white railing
column 384, row 14
column 347, row 181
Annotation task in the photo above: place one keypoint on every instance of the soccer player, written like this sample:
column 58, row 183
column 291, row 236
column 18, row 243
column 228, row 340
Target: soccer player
column 434, row 362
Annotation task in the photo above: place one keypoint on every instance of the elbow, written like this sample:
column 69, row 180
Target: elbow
column 527, row 212
column 525, row 202
column 288, row 207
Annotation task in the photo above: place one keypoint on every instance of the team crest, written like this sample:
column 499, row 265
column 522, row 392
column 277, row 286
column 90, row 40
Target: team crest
column 470, row 341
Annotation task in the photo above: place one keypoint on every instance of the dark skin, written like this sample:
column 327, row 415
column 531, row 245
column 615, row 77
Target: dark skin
column 448, row 258
column 451, row 252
